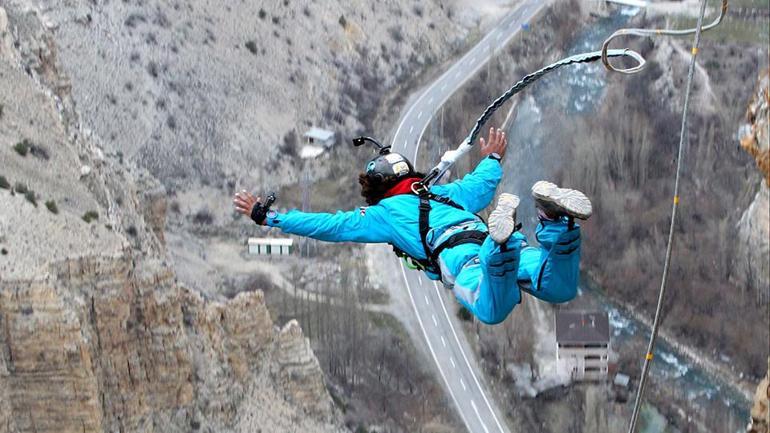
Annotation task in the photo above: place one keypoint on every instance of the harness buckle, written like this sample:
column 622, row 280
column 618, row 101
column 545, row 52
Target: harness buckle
column 418, row 188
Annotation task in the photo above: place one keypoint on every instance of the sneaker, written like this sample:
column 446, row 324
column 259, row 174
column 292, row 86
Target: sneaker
column 502, row 220
column 556, row 202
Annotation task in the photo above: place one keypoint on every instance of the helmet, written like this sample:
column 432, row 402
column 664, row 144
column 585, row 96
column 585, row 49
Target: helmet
column 386, row 164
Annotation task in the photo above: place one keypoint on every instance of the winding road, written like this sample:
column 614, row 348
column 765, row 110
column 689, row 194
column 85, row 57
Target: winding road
column 445, row 340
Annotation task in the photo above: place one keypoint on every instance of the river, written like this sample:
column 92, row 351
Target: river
column 577, row 90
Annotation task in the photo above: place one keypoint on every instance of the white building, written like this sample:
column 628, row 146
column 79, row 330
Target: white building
column 582, row 341
column 271, row 246
column 320, row 137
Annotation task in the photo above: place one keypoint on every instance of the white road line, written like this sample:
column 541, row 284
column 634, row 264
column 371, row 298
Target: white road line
column 405, row 144
column 430, row 347
column 419, row 280
column 465, row 357
column 419, row 115
column 452, row 360
column 500, row 36
column 443, row 341
column 435, row 322
column 427, row 301
column 443, row 87
column 411, row 129
column 462, row 384
column 475, row 409
column 430, row 101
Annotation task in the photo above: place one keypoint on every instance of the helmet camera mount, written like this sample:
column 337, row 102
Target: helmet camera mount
column 359, row 141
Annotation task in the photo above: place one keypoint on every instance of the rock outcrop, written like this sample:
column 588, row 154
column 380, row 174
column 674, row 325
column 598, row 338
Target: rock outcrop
column 760, row 411
column 106, row 344
column 753, row 244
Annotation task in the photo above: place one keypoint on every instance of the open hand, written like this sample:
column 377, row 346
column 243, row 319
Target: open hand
column 497, row 143
column 244, row 202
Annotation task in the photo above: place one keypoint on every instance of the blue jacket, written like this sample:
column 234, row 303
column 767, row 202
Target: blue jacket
column 394, row 220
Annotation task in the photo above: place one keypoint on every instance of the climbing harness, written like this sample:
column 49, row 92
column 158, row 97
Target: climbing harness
column 391, row 164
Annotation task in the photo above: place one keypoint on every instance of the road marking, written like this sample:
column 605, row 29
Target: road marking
column 473, row 60
column 419, row 115
column 500, row 36
column 419, row 279
column 462, row 384
column 443, row 341
column 475, row 409
column 427, row 301
column 411, row 129
column 435, row 322
column 430, row 101
column 465, row 357
column 430, row 347
column 443, row 87
column 405, row 144
column 452, row 360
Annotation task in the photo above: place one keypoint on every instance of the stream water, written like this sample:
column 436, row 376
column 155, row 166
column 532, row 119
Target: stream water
column 576, row 91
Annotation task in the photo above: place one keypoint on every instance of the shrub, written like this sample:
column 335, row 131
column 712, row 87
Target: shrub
column 22, row 147
column 20, row 188
column 51, row 205
column 131, row 231
column 39, row 152
column 262, row 14
column 464, row 314
column 343, row 22
column 4, row 252
column 4, row 184
column 251, row 46
column 276, row 20
column 1, row 110
column 203, row 216
column 30, row 196
column 91, row 215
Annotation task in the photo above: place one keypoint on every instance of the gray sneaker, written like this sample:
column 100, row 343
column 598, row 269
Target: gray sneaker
column 556, row 202
column 502, row 220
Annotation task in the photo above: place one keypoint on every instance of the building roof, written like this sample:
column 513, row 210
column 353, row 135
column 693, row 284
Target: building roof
column 582, row 327
column 309, row 151
column 622, row 380
column 319, row 134
column 286, row 242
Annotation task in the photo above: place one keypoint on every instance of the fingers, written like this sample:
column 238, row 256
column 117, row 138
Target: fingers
column 482, row 143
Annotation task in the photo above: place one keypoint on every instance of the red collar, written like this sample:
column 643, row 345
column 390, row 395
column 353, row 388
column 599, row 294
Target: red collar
column 402, row 187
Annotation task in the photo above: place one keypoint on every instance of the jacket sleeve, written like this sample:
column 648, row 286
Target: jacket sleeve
column 366, row 225
column 476, row 190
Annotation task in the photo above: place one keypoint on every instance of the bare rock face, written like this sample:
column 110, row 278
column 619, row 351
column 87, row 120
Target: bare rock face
column 299, row 372
column 760, row 411
column 103, row 344
column 751, row 264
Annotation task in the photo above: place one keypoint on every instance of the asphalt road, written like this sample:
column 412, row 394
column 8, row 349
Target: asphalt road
column 445, row 340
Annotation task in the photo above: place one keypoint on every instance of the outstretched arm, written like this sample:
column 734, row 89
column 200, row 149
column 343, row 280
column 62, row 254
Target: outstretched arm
column 366, row 224
column 477, row 189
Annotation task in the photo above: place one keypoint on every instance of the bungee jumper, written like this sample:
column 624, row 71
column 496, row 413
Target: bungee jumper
column 438, row 230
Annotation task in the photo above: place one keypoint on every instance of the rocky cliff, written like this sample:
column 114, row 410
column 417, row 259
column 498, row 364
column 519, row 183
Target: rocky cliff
column 760, row 411
column 96, row 334
column 109, row 344
column 753, row 249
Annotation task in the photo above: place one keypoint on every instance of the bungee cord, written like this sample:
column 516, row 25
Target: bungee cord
column 451, row 156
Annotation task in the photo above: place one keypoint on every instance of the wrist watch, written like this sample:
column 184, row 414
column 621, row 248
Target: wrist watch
column 496, row 156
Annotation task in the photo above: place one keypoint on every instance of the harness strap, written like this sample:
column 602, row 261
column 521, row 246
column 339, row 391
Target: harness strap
column 462, row 237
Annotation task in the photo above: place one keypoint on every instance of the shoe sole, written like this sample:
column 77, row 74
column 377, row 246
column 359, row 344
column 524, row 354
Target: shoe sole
column 569, row 201
column 502, row 220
